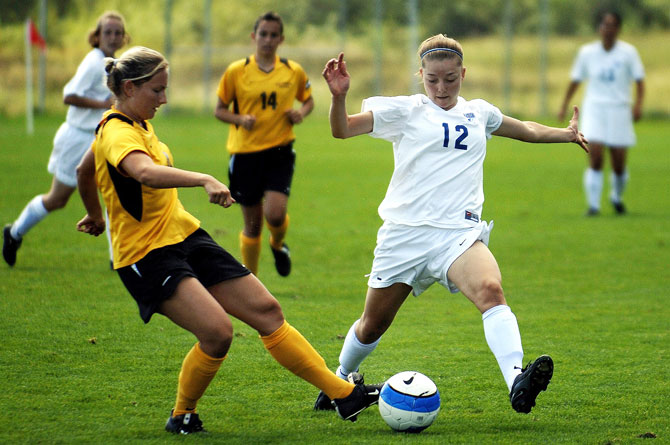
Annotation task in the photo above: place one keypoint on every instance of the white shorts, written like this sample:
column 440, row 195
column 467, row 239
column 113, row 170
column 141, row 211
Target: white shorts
column 420, row 256
column 611, row 125
column 70, row 145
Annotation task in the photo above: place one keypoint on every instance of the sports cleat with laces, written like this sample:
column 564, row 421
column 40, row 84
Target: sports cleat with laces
column 323, row 402
column 282, row 260
column 533, row 379
column 9, row 245
column 188, row 423
column 360, row 398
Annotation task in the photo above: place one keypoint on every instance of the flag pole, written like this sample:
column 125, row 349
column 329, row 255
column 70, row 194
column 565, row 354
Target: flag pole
column 29, row 81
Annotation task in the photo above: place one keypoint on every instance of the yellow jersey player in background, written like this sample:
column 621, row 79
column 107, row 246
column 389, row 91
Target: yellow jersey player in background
column 262, row 90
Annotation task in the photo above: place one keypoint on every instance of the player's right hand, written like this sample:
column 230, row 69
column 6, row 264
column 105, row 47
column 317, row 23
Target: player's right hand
column 92, row 226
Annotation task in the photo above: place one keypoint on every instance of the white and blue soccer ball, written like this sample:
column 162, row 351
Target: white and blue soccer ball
column 409, row 402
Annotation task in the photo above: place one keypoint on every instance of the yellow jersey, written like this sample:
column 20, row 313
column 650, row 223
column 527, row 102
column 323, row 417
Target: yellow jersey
column 267, row 96
column 141, row 218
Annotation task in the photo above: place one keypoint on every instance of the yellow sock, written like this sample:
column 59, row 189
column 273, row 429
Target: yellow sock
column 251, row 251
column 294, row 353
column 197, row 372
column 278, row 233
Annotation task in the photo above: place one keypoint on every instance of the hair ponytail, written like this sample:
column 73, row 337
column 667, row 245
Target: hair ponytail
column 138, row 65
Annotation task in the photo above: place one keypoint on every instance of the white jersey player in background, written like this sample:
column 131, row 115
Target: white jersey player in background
column 432, row 230
column 609, row 66
column 88, row 97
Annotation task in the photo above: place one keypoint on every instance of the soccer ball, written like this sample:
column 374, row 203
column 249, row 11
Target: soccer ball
column 409, row 402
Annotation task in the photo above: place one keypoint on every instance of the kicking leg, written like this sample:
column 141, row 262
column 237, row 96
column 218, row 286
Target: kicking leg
column 477, row 275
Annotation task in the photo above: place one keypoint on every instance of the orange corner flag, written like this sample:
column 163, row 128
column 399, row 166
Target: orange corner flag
column 35, row 37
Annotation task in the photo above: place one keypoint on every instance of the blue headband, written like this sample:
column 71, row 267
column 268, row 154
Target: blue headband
column 443, row 49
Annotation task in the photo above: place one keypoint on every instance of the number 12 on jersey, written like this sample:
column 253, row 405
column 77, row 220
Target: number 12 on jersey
column 459, row 145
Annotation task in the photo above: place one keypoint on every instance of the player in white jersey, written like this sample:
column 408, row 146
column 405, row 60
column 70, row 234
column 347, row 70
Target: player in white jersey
column 432, row 230
column 88, row 97
column 610, row 66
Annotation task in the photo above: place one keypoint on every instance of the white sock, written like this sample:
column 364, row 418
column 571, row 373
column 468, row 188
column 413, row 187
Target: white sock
column 618, row 185
column 502, row 335
column 353, row 353
column 32, row 213
column 593, row 187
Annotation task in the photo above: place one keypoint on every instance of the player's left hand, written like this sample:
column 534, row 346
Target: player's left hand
column 92, row 226
column 578, row 136
column 295, row 116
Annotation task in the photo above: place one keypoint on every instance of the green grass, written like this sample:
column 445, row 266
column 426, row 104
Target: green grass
column 79, row 366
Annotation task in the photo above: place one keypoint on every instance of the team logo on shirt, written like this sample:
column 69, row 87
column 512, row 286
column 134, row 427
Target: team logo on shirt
column 471, row 216
column 470, row 117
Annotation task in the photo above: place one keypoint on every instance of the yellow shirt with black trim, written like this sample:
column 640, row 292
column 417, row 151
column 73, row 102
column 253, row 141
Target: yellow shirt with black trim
column 267, row 96
column 141, row 218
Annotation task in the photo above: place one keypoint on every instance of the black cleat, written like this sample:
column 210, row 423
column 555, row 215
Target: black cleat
column 323, row 402
column 592, row 211
column 188, row 423
column 533, row 379
column 9, row 245
column 360, row 398
column 282, row 260
column 619, row 208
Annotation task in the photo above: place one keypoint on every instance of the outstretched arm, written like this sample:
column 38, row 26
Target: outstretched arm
column 529, row 131
column 341, row 124
column 139, row 166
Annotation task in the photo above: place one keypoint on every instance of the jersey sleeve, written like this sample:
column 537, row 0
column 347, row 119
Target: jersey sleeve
column 226, row 88
column 490, row 116
column 578, row 72
column 389, row 116
column 88, row 72
column 120, row 140
column 304, row 86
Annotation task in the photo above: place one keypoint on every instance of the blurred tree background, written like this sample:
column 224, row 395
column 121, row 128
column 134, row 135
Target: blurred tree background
column 518, row 52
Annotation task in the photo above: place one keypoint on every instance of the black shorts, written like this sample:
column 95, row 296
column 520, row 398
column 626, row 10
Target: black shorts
column 154, row 278
column 252, row 174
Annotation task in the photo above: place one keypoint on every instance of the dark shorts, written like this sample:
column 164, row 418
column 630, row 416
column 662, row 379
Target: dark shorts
column 252, row 174
column 154, row 278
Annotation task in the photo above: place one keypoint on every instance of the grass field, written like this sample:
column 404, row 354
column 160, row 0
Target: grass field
column 80, row 367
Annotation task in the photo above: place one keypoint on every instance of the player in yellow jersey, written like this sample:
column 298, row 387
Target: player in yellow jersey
column 261, row 90
column 168, row 263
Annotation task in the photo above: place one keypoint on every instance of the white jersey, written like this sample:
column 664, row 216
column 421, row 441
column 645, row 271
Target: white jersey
column 89, row 81
column 609, row 73
column 439, row 157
